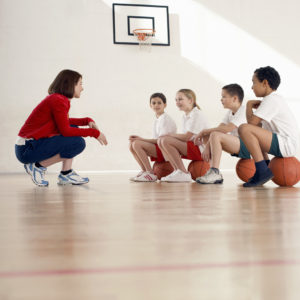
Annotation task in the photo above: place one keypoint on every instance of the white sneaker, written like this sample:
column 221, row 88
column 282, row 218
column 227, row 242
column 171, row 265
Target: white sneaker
column 168, row 176
column 71, row 178
column 210, row 177
column 136, row 176
column 179, row 176
column 146, row 177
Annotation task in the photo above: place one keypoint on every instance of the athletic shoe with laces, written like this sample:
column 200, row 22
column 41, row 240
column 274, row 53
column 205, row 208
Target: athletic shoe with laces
column 136, row 176
column 179, row 176
column 37, row 174
column 71, row 178
column 211, row 177
column 146, row 177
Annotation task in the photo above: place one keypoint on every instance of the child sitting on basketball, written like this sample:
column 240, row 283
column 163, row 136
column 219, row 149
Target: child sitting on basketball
column 271, row 126
column 142, row 148
column 177, row 146
column 225, row 136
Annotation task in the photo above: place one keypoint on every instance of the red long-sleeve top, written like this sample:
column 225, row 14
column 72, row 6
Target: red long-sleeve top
column 51, row 118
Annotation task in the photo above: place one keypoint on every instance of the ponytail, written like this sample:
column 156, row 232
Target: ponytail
column 190, row 95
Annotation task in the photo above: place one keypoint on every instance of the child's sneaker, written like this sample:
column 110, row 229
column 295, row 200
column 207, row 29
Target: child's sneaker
column 146, row 177
column 136, row 176
column 71, row 178
column 212, row 177
column 37, row 174
column 168, row 176
column 178, row 176
column 259, row 179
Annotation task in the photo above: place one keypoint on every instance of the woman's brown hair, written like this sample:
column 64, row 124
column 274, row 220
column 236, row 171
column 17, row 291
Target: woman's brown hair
column 64, row 83
column 190, row 95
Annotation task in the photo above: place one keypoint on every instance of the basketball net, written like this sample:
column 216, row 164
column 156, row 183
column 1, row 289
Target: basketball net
column 144, row 38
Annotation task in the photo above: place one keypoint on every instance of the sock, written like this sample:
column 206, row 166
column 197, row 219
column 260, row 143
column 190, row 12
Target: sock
column 216, row 170
column 38, row 165
column 261, row 167
column 267, row 161
column 66, row 172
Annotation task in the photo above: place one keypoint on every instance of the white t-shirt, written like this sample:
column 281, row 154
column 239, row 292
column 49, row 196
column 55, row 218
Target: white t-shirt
column 278, row 118
column 194, row 122
column 163, row 125
column 236, row 119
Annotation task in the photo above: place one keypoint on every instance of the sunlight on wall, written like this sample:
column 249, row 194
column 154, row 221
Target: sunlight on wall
column 229, row 53
column 225, row 51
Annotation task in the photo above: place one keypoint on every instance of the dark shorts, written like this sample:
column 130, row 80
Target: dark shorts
column 39, row 150
column 274, row 149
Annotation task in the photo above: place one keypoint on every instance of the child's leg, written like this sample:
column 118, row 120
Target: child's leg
column 219, row 142
column 165, row 154
column 136, row 157
column 143, row 150
column 174, row 148
column 258, row 141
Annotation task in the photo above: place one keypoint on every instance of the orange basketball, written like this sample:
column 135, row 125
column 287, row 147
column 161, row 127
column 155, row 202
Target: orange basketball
column 245, row 169
column 198, row 168
column 286, row 170
column 162, row 169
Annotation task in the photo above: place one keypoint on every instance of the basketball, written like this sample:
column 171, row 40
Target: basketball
column 162, row 169
column 245, row 169
column 198, row 168
column 286, row 170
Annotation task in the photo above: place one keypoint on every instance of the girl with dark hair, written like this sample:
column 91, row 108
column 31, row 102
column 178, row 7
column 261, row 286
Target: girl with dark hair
column 142, row 148
column 49, row 136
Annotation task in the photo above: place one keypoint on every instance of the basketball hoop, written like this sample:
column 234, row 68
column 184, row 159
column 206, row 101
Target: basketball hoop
column 144, row 37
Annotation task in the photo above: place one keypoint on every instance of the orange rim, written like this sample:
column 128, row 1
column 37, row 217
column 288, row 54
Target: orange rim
column 143, row 33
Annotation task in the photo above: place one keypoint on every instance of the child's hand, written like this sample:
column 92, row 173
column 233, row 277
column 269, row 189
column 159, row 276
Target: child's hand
column 93, row 125
column 254, row 103
column 102, row 139
column 197, row 140
column 134, row 137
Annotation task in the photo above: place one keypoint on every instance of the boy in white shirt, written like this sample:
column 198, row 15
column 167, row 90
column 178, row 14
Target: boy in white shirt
column 271, row 128
column 143, row 148
column 224, row 137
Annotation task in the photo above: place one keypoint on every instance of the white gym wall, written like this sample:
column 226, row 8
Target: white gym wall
column 213, row 43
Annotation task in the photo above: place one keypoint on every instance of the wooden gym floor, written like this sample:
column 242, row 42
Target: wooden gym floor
column 117, row 240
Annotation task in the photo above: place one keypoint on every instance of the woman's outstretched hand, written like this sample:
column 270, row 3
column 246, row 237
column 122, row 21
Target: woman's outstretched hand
column 102, row 139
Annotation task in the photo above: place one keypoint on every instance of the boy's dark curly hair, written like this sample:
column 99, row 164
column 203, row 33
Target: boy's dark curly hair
column 270, row 74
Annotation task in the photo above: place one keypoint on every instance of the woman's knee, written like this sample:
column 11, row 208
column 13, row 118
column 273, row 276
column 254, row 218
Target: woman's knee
column 73, row 147
column 81, row 144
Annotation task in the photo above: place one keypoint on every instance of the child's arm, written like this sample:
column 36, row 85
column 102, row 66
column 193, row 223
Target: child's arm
column 224, row 128
column 251, row 118
column 182, row 136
